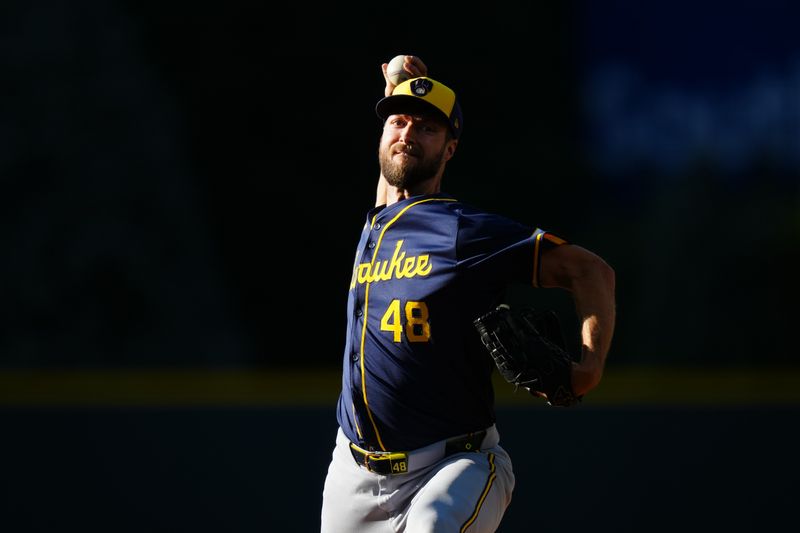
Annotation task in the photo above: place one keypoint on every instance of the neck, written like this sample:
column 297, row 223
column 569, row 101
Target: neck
column 396, row 194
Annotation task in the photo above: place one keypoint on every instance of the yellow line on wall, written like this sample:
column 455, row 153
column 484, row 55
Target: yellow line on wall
column 169, row 387
column 685, row 386
column 297, row 387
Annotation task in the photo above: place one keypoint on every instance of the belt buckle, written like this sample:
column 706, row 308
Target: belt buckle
column 398, row 462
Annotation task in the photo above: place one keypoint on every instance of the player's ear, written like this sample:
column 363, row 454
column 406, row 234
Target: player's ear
column 450, row 149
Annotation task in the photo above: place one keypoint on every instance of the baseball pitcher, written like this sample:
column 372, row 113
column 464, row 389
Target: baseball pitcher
column 418, row 449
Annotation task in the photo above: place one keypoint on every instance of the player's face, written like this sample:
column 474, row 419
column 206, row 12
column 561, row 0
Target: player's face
column 413, row 149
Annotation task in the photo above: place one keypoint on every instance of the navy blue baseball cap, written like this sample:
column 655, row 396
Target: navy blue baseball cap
column 421, row 95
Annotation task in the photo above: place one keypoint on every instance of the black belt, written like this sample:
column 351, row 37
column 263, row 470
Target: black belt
column 389, row 463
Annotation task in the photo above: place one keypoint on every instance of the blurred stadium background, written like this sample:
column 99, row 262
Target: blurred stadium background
column 184, row 184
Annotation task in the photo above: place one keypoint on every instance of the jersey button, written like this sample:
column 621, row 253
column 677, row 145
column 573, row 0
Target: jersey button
column 355, row 357
column 377, row 226
column 371, row 245
column 358, row 312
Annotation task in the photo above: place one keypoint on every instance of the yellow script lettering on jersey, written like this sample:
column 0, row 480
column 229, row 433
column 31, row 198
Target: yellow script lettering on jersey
column 398, row 267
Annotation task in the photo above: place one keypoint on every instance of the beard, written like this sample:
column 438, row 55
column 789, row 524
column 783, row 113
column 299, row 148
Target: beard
column 410, row 171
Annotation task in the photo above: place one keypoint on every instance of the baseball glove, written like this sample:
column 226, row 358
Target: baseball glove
column 528, row 349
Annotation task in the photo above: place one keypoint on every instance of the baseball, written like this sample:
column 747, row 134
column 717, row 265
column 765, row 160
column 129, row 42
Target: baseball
column 395, row 71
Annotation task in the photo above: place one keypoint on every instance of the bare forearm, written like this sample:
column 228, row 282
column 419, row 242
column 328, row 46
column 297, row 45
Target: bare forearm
column 592, row 284
column 594, row 301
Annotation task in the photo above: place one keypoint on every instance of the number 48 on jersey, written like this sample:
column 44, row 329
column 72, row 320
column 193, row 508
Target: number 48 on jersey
column 417, row 328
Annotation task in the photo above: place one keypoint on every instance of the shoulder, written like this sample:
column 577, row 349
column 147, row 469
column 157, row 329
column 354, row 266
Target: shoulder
column 472, row 222
column 453, row 206
column 473, row 219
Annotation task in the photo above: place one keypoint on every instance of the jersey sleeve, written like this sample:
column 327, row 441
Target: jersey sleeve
column 542, row 241
column 500, row 250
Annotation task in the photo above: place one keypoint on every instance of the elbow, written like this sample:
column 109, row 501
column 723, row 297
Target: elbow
column 607, row 275
column 604, row 280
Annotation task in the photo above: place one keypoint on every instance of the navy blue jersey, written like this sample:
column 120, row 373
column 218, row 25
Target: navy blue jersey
column 415, row 371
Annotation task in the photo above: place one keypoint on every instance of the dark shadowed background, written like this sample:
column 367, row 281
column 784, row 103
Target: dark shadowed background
column 183, row 186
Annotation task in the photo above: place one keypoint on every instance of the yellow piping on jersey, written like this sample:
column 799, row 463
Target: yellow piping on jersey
column 366, row 307
column 538, row 240
column 538, row 236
